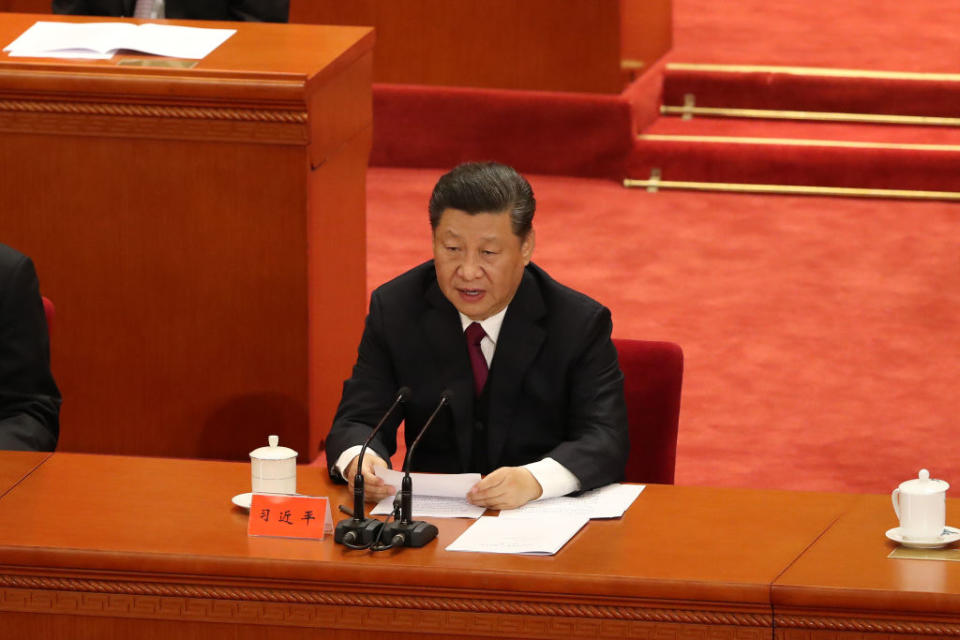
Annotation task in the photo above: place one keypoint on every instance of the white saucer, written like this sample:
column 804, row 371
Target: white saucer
column 950, row 534
column 242, row 500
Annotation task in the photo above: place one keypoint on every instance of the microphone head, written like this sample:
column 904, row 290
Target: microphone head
column 446, row 396
column 403, row 393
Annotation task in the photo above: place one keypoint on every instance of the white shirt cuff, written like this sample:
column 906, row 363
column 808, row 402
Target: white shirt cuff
column 554, row 478
column 346, row 458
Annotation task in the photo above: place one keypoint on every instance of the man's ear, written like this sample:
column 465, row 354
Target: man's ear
column 526, row 249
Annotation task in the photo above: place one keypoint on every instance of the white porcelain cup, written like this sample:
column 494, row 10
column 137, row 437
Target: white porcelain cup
column 921, row 506
column 273, row 468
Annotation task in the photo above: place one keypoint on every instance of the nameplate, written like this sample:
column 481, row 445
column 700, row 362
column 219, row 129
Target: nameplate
column 289, row 516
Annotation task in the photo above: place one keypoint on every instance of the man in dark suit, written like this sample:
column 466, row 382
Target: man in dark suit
column 239, row 10
column 29, row 398
column 538, row 407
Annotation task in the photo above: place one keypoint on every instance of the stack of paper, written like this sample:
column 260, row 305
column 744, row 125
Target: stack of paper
column 540, row 536
column 544, row 526
column 610, row 501
column 100, row 40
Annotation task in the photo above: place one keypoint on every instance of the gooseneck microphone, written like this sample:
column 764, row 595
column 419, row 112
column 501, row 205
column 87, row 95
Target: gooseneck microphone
column 408, row 532
column 359, row 532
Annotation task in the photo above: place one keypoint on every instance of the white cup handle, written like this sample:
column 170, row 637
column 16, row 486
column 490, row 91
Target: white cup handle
column 896, row 502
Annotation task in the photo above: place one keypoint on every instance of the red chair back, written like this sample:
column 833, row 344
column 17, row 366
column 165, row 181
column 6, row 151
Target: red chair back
column 653, row 376
column 49, row 310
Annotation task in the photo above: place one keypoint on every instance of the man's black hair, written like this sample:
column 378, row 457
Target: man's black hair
column 485, row 187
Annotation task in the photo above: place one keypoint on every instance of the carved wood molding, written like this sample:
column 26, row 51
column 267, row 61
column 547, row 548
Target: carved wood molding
column 154, row 111
column 788, row 625
column 269, row 605
column 154, row 121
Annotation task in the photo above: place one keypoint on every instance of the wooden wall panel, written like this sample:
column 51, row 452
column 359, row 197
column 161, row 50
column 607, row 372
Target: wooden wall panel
column 573, row 45
column 179, row 275
column 646, row 32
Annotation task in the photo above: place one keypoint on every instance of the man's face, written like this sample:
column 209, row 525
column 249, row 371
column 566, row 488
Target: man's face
column 479, row 261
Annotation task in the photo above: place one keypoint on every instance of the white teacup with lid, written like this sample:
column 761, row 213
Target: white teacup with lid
column 273, row 468
column 921, row 506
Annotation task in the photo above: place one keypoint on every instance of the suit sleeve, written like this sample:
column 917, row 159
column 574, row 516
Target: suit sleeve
column 597, row 440
column 367, row 395
column 29, row 398
column 260, row 10
column 89, row 7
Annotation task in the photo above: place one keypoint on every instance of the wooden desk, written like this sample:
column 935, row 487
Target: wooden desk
column 201, row 231
column 845, row 586
column 157, row 550
column 16, row 465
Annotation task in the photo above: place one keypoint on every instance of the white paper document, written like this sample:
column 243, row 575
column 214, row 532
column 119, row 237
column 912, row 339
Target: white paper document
column 610, row 501
column 443, row 485
column 541, row 536
column 433, row 507
column 435, row 495
column 100, row 40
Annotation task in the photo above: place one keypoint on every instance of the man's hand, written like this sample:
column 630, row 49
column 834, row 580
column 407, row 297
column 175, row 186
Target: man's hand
column 375, row 489
column 505, row 488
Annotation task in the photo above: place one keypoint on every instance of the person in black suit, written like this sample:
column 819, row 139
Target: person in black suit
column 239, row 10
column 29, row 398
column 551, row 417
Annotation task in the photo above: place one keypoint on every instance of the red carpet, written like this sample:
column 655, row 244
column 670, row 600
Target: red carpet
column 820, row 334
column 887, row 35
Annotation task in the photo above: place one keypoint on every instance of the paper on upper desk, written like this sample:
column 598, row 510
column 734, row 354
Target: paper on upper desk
column 102, row 39
column 610, row 501
column 443, row 485
column 65, row 36
column 541, row 536
column 179, row 42
column 433, row 507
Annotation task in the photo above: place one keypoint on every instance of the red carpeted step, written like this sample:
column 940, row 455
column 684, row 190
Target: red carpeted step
column 817, row 90
column 825, row 160
column 535, row 131
column 801, row 130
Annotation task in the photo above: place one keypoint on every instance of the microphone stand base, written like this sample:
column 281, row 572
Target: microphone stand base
column 415, row 534
column 364, row 531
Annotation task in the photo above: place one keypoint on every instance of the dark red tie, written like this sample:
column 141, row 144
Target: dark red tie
column 475, row 334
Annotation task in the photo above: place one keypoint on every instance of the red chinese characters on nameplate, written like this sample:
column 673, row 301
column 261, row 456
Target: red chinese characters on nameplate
column 289, row 516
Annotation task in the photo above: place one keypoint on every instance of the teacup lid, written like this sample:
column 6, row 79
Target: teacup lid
column 273, row 452
column 924, row 484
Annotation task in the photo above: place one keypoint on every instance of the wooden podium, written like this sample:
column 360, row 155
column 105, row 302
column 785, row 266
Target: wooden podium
column 554, row 45
column 201, row 231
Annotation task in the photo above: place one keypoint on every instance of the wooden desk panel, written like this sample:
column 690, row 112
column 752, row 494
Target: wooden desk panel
column 846, row 586
column 195, row 228
column 161, row 543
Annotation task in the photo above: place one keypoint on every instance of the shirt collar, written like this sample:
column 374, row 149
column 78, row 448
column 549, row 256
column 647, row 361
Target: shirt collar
column 491, row 326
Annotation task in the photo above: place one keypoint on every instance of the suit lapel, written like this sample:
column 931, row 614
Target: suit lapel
column 521, row 337
column 450, row 362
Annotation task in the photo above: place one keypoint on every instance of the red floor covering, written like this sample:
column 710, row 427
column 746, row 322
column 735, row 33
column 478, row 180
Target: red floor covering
column 893, row 35
column 820, row 335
